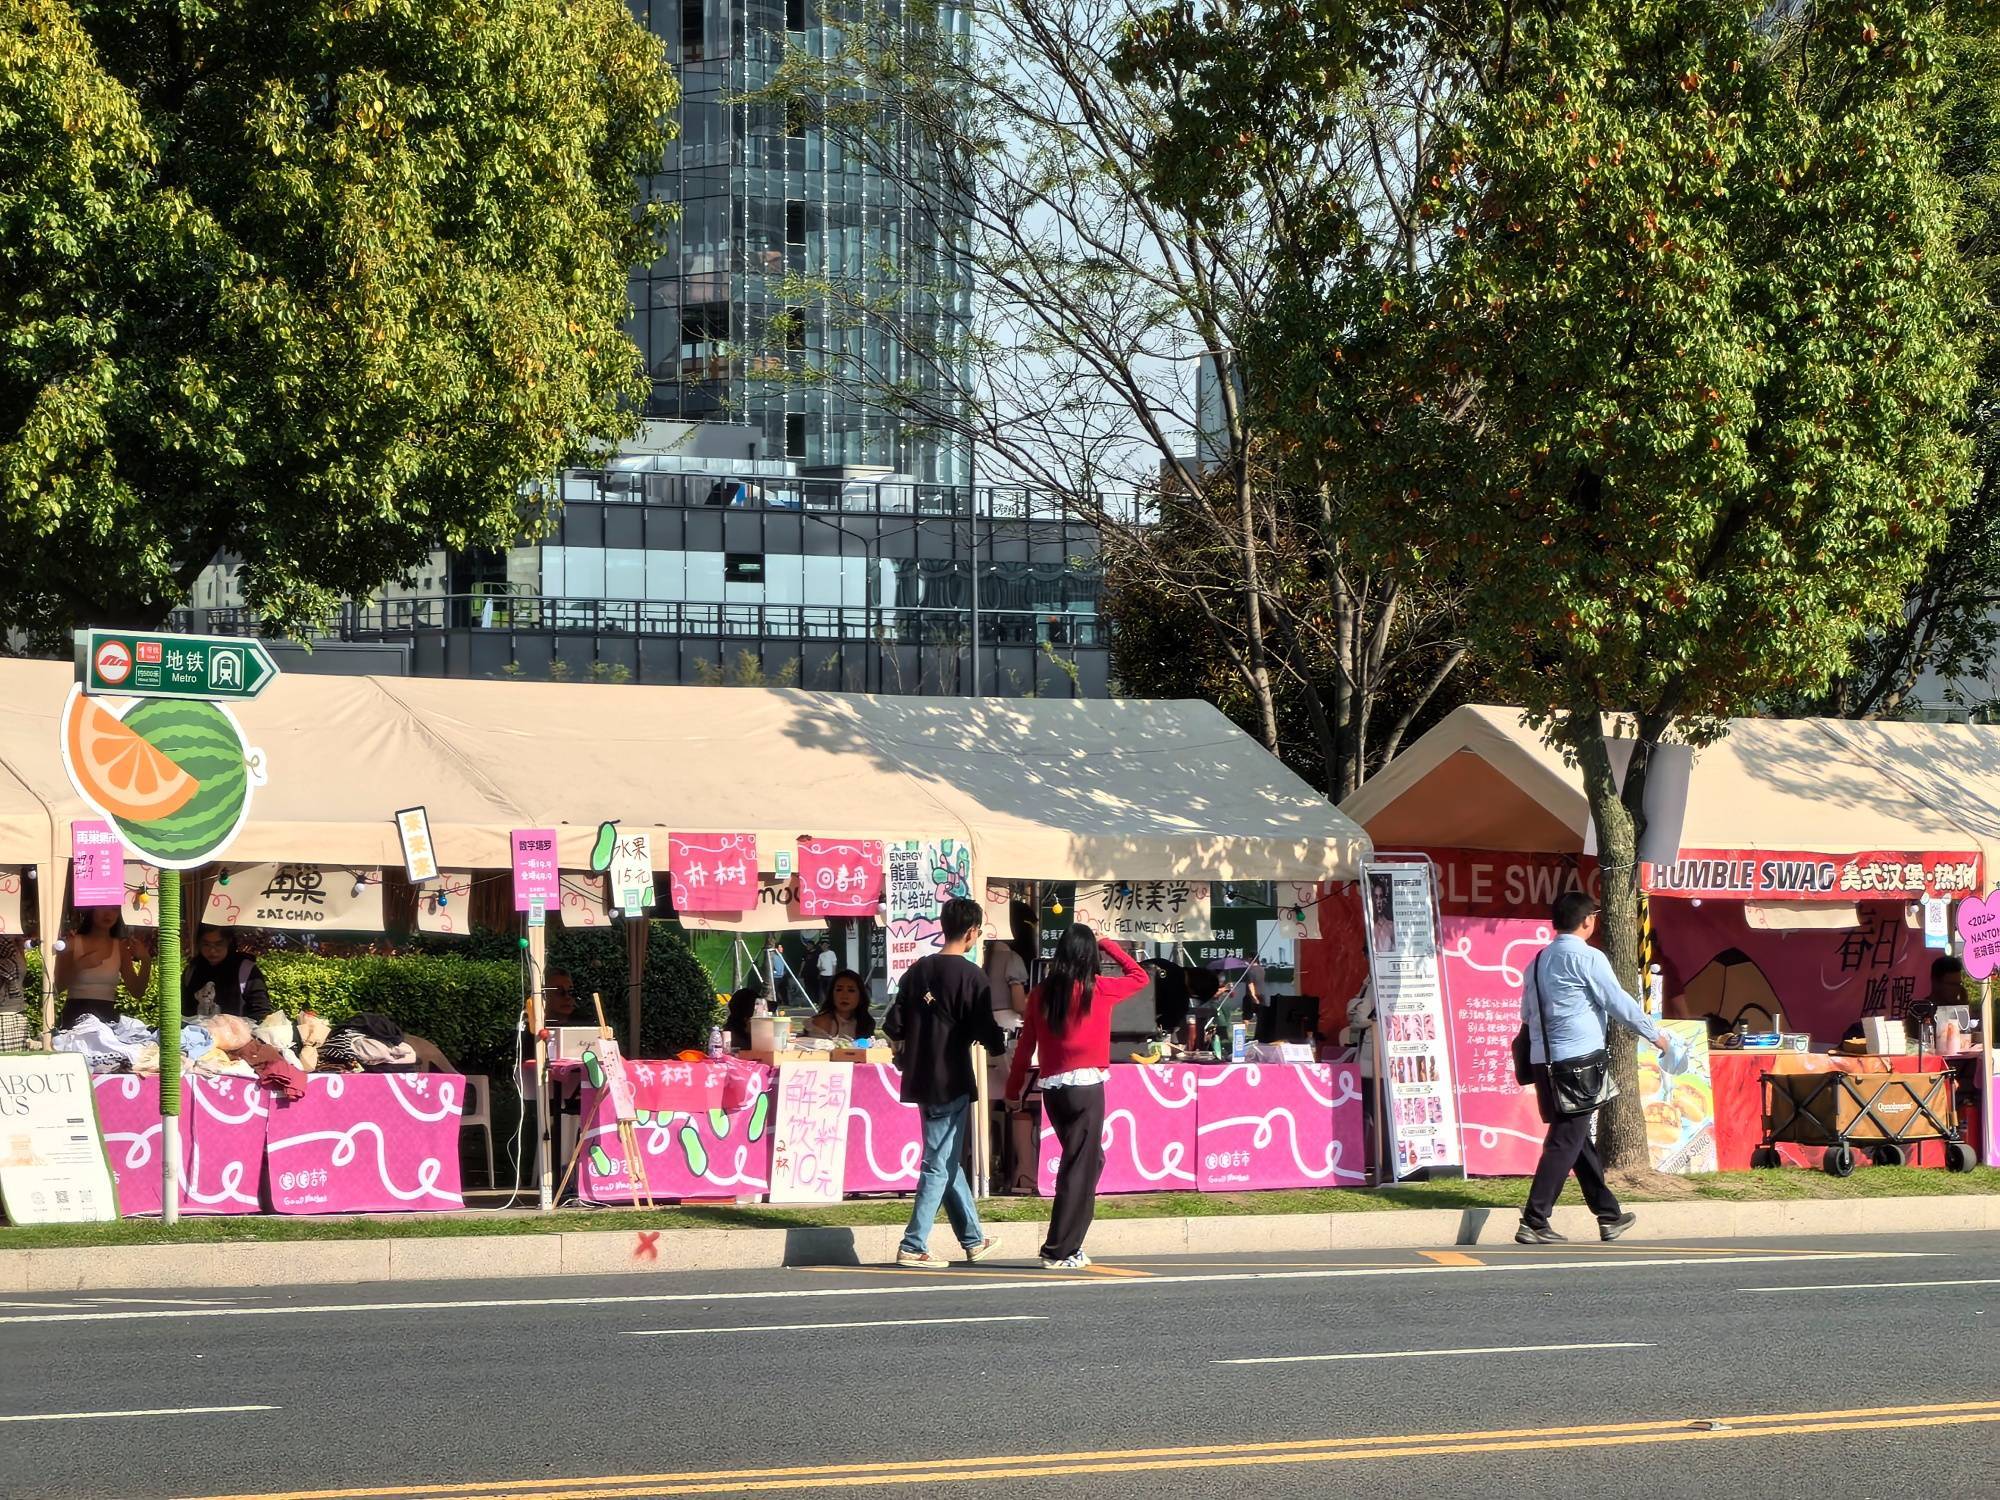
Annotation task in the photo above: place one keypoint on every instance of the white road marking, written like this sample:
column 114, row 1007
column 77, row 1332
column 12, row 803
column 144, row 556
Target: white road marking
column 37, row 1304
column 164, row 1301
column 949, row 1284
column 150, row 1411
column 1875, row 1286
column 655, row 1333
column 1309, row 1359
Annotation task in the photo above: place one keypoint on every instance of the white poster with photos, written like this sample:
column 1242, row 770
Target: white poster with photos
column 1412, row 1048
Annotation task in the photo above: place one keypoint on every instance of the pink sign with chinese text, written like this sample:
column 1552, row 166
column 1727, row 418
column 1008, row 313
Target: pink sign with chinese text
column 97, row 863
column 536, row 874
column 1484, row 966
column 712, row 871
column 1279, row 1125
column 1149, row 1132
column 840, row 877
column 885, row 1136
column 367, row 1143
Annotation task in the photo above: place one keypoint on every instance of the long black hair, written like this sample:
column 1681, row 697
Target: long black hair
column 864, row 1018
column 1072, row 974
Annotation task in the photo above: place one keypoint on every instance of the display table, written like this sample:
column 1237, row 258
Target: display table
column 1739, row 1101
column 355, row 1143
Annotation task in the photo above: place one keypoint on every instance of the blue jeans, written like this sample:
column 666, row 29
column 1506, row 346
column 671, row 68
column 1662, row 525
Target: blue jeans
column 942, row 1179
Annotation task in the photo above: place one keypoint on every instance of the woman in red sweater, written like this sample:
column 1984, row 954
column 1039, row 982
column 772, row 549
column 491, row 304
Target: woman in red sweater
column 1067, row 1031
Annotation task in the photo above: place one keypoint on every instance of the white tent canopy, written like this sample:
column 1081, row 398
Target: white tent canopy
column 1043, row 789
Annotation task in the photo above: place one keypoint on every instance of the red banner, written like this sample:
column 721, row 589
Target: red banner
column 840, row 877
column 712, row 871
column 1790, row 875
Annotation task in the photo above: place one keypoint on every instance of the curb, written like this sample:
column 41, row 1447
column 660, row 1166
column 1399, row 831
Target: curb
column 614, row 1251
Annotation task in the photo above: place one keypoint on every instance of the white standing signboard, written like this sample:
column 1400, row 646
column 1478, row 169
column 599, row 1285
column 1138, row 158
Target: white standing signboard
column 1413, row 1049
column 53, row 1169
column 809, row 1135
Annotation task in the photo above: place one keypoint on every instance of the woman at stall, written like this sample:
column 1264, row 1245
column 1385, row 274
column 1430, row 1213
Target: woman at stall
column 1067, row 1030
column 95, row 956
column 844, row 1015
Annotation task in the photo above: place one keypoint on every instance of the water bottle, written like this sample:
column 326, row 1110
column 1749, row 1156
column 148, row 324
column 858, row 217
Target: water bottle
column 716, row 1046
column 1237, row 1038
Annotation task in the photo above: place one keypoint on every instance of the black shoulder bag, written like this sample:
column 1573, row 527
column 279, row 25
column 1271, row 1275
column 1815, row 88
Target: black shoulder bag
column 1577, row 1085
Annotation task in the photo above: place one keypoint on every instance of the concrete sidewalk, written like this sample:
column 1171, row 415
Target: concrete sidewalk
column 602, row 1252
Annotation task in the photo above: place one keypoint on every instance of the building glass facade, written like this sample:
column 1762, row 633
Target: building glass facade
column 767, row 200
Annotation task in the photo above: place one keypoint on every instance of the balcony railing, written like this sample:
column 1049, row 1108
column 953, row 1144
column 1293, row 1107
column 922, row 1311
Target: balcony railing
column 735, row 490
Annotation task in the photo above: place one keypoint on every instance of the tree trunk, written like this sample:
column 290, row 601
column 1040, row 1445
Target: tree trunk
column 1621, row 1125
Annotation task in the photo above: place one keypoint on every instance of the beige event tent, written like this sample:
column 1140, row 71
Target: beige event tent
column 1483, row 779
column 1043, row 789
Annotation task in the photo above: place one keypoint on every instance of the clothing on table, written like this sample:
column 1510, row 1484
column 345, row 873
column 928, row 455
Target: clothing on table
column 274, row 1070
column 216, row 1063
column 1567, row 1148
column 1574, row 982
column 942, row 1179
column 1076, row 1115
column 235, row 987
column 942, row 1009
column 230, row 1031
column 1085, row 1039
column 110, row 1046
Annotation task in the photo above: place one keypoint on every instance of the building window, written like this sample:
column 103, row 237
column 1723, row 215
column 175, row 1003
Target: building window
column 691, row 30
column 795, row 221
column 795, row 328
column 795, row 15
column 742, row 567
column 795, row 434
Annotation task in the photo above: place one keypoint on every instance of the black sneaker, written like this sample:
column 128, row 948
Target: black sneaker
column 1609, row 1229
column 1538, row 1234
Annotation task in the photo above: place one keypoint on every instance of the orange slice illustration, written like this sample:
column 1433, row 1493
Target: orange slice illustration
column 124, row 775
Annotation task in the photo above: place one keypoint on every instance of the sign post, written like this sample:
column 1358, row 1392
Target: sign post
column 208, row 789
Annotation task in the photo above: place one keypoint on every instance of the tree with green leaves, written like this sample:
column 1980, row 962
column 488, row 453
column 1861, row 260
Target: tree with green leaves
column 1671, row 378
column 322, row 286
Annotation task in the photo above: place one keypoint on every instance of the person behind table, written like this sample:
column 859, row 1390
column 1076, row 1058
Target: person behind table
column 845, row 1012
column 1947, row 988
column 1067, row 1027
column 942, row 1010
column 94, row 958
column 559, row 999
column 742, row 1006
column 230, row 981
column 1574, row 984
column 1007, row 970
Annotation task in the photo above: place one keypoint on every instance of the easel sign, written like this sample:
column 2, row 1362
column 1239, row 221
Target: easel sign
column 604, row 1069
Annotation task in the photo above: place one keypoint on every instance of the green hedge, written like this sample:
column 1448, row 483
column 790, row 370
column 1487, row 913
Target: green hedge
column 678, row 1005
column 464, row 1007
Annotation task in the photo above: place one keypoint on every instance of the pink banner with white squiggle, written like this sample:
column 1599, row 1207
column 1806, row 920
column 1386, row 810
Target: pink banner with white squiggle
column 703, row 1131
column 1149, row 1132
column 1485, row 962
column 1279, row 1125
column 367, row 1143
column 885, row 1136
column 223, row 1125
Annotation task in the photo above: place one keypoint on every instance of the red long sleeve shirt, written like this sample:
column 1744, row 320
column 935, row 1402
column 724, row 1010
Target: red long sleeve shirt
column 1085, row 1042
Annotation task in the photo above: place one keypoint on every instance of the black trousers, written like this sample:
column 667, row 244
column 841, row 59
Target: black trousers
column 1076, row 1115
column 1567, row 1148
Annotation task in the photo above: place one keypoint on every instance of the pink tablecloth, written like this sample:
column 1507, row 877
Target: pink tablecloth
column 367, row 1143
column 222, row 1143
column 1149, row 1132
column 885, row 1136
column 689, row 1147
column 1264, row 1125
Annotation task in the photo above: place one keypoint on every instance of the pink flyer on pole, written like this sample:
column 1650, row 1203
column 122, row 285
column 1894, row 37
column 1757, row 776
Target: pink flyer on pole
column 536, row 875
column 97, row 863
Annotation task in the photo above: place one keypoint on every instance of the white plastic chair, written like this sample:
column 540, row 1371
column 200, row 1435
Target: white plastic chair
column 479, row 1117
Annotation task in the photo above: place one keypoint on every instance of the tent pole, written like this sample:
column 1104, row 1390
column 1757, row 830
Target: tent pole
column 169, row 961
column 638, row 934
column 538, row 952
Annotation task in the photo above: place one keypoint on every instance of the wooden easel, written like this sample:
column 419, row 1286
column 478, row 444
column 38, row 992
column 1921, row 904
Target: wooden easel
column 628, row 1137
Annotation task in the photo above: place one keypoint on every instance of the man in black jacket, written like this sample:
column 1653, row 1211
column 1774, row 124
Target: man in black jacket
column 942, row 1008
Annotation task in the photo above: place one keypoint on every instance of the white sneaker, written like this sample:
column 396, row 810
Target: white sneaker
column 921, row 1260
column 1076, row 1262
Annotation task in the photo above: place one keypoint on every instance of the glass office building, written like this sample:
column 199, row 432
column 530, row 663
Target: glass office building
column 764, row 195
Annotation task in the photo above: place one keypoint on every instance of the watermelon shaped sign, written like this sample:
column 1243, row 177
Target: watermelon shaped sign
column 173, row 776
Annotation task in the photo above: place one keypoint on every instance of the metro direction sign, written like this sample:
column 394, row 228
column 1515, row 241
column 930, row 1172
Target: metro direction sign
column 140, row 664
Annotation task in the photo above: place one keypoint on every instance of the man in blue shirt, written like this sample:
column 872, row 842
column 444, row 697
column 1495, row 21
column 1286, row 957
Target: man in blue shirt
column 1571, row 984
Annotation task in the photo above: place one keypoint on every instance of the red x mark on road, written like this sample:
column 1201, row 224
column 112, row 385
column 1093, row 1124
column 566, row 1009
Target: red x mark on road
column 649, row 1246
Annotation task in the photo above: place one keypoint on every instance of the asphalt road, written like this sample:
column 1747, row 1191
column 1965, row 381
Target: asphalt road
column 1829, row 1368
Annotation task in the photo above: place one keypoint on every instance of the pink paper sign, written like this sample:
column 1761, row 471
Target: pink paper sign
column 1149, row 1132
column 1484, row 964
column 885, row 1136
column 536, row 875
column 712, row 871
column 840, row 877
column 97, row 863
column 368, row 1143
column 1265, row 1125
column 1979, row 931
column 703, row 1131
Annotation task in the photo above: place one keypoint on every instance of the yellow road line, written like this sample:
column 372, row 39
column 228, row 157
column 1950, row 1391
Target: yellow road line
column 1450, row 1257
column 1097, row 1270
column 1211, row 1455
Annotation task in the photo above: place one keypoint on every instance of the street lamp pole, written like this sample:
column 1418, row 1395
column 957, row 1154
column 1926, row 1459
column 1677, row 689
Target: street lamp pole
column 972, row 494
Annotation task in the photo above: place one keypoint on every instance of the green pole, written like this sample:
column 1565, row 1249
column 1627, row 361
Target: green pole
column 169, row 968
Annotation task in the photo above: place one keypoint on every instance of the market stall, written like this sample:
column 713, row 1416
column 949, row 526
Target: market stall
column 1807, row 851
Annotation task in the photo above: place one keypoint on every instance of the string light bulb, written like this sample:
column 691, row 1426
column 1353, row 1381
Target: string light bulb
column 360, row 886
column 62, row 946
column 1055, row 907
column 443, row 900
column 223, row 878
